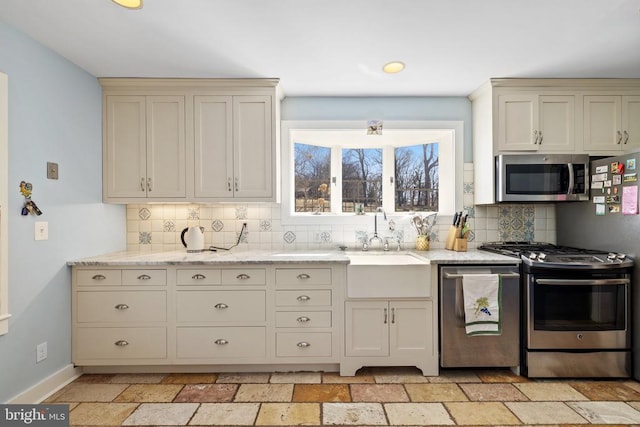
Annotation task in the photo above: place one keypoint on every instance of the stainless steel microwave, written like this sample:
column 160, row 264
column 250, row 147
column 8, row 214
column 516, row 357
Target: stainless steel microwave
column 542, row 177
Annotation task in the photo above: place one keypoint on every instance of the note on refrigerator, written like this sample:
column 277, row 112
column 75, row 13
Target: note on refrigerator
column 630, row 200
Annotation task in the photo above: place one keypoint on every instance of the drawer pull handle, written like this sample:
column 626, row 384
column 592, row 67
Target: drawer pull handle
column 99, row 277
column 221, row 341
column 121, row 307
column 144, row 277
column 198, row 276
column 303, row 344
column 303, row 298
column 243, row 276
column 303, row 319
column 303, row 276
column 221, row 306
column 121, row 343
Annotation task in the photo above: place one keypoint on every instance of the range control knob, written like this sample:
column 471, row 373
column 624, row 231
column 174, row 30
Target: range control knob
column 542, row 256
column 533, row 256
column 621, row 257
column 611, row 256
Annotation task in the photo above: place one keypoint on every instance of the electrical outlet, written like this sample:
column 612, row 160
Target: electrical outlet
column 41, row 231
column 41, row 352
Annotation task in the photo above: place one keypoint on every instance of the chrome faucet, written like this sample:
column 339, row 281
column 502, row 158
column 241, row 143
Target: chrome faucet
column 375, row 228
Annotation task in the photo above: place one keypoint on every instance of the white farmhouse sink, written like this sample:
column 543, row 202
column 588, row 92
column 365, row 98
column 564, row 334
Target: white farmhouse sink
column 388, row 275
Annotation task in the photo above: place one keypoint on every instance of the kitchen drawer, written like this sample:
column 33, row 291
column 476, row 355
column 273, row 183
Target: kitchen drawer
column 303, row 298
column 121, row 343
column 303, row 276
column 99, row 277
column 144, row 277
column 122, row 306
column 221, row 306
column 244, row 276
column 221, row 342
column 199, row 277
column 303, row 319
column 303, row 344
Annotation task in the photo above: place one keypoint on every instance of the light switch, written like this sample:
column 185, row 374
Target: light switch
column 42, row 230
column 52, row 170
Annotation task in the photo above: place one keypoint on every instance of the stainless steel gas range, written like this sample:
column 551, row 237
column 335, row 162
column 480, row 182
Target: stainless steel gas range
column 575, row 310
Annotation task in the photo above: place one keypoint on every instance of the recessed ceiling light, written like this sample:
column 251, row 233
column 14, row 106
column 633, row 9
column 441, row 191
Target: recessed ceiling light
column 129, row 4
column 393, row 67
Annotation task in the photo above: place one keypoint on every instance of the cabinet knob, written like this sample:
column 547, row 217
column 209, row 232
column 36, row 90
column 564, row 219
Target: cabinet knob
column 303, row 344
column 303, row 276
column 144, row 277
column 121, row 343
column 98, row 277
column 221, row 306
column 198, row 277
column 303, row 298
column 121, row 307
column 540, row 137
column 303, row 319
column 243, row 276
column 221, row 341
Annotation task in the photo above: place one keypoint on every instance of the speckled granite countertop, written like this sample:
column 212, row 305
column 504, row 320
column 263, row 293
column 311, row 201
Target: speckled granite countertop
column 435, row 256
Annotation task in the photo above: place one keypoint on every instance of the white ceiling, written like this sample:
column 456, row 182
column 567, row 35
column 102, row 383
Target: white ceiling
column 338, row 47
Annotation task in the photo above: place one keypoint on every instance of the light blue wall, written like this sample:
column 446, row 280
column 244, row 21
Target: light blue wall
column 54, row 115
column 382, row 108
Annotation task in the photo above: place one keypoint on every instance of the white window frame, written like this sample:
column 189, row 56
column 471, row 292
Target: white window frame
column 4, row 182
column 450, row 168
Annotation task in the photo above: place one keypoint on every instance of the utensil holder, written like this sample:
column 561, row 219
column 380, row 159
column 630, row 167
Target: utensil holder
column 422, row 243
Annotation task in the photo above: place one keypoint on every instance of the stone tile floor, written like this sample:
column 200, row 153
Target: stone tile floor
column 375, row 396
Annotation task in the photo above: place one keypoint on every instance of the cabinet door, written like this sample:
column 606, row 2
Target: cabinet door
column 411, row 330
column 556, row 123
column 253, row 147
column 367, row 328
column 166, row 147
column 602, row 127
column 213, row 135
column 631, row 121
column 125, row 149
column 517, row 122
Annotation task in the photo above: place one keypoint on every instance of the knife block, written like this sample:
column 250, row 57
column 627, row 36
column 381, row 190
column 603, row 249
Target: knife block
column 451, row 237
column 460, row 244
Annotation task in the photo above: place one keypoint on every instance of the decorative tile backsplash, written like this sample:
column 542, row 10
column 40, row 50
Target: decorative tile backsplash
column 158, row 227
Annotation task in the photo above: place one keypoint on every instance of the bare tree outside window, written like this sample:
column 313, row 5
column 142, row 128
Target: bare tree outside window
column 416, row 178
column 361, row 178
column 312, row 178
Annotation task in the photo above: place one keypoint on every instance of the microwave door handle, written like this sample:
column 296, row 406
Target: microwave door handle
column 571, row 183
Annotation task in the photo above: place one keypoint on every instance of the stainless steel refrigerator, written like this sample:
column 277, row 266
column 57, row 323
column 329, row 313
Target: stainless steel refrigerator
column 609, row 221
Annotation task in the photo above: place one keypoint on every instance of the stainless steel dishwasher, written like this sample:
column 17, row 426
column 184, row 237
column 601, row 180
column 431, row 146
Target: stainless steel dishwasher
column 457, row 349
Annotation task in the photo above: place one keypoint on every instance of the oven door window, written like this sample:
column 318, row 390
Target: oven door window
column 579, row 307
column 543, row 179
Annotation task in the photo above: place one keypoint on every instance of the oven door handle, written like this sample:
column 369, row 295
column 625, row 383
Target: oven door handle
column 503, row 275
column 588, row 282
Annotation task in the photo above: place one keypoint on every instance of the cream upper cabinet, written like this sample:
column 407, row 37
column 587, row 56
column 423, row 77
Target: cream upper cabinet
column 190, row 140
column 234, row 147
column 529, row 122
column 144, row 148
column 611, row 122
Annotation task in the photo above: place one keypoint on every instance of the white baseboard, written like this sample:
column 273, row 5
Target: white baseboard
column 45, row 388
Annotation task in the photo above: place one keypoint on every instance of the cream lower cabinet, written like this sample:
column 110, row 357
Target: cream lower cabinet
column 273, row 314
column 119, row 316
column 389, row 333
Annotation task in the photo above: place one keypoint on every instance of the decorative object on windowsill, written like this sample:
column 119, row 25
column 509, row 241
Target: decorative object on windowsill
column 323, row 190
column 359, row 209
column 424, row 227
column 374, row 127
column 29, row 205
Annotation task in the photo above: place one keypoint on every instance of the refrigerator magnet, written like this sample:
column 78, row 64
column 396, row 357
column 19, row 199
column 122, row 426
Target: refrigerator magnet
column 617, row 179
column 614, row 208
column 631, row 164
column 607, row 183
column 630, row 177
column 614, row 167
column 597, row 184
column 601, row 169
column 600, row 209
column 598, row 199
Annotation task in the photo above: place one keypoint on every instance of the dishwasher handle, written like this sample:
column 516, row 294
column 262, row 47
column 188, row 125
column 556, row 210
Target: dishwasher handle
column 503, row 275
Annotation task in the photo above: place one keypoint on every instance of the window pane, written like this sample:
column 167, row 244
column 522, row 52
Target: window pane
column 312, row 178
column 416, row 169
column 361, row 179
